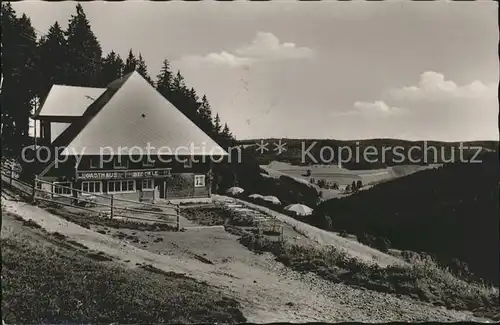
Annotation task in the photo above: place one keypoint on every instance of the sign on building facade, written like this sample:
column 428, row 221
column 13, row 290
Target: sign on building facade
column 122, row 174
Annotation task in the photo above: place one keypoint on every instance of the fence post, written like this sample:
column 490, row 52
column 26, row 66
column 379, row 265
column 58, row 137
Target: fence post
column 11, row 175
column 112, row 206
column 177, row 210
column 33, row 193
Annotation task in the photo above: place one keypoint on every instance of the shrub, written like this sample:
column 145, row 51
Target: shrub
column 343, row 233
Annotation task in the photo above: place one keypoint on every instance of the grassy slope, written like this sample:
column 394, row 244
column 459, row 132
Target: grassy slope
column 424, row 280
column 451, row 212
column 44, row 282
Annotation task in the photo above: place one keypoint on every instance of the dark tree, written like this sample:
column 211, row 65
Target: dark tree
column 217, row 125
column 53, row 53
column 130, row 63
column 143, row 69
column 111, row 69
column 84, row 51
column 205, row 115
column 226, row 133
column 179, row 90
column 164, row 80
column 20, row 76
column 192, row 105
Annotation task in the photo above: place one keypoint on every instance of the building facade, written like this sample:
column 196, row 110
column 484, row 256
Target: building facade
column 109, row 141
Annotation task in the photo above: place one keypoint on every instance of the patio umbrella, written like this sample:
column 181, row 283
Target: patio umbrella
column 299, row 209
column 272, row 199
column 235, row 190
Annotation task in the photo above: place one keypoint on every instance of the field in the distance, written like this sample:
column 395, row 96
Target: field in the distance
column 342, row 176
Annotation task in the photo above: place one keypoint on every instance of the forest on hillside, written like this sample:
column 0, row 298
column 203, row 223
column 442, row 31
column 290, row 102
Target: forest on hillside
column 33, row 61
column 451, row 212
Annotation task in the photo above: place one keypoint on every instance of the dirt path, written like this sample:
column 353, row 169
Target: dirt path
column 267, row 290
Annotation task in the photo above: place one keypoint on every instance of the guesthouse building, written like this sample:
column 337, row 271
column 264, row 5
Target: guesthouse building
column 126, row 140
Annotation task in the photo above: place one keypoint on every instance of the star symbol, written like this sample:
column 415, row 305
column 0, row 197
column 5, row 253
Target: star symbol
column 280, row 147
column 262, row 146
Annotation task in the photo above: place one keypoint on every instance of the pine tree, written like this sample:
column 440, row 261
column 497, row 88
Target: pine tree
column 84, row 49
column 217, row 125
column 164, row 80
column 192, row 105
column 112, row 68
column 53, row 53
column 226, row 133
column 178, row 84
column 179, row 92
column 143, row 69
column 20, row 76
column 225, row 138
column 205, row 115
column 130, row 63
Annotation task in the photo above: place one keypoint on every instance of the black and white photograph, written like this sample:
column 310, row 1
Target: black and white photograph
column 230, row 162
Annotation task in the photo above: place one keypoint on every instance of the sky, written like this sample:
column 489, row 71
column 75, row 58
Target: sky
column 336, row 70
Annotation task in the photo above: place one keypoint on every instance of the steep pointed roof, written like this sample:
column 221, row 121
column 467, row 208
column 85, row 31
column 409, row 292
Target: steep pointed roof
column 68, row 100
column 129, row 115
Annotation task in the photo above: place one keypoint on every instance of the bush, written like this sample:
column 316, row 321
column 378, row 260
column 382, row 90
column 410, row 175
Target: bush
column 327, row 223
column 321, row 183
column 343, row 233
column 380, row 243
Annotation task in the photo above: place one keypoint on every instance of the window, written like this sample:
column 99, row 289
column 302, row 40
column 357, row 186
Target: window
column 121, row 186
column 61, row 188
column 199, row 180
column 148, row 185
column 120, row 162
column 91, row 187
column 188, row 162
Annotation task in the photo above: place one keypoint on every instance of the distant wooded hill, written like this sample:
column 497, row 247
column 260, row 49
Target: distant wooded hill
column 452, row 212
column 400, row 156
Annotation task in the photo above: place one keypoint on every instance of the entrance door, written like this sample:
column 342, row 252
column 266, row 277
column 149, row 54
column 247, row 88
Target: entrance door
column 162, row 187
